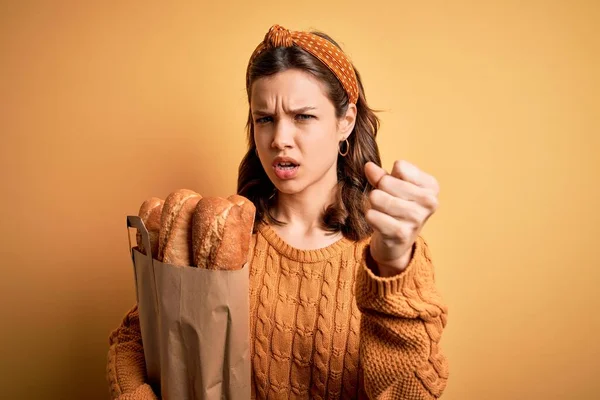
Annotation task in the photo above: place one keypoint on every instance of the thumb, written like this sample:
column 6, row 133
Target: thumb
column 374, row 173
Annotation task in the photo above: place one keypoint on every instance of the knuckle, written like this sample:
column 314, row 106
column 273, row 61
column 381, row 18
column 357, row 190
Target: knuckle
column 381, row 200
column 378, row 200
column 416, row 218
column 386, row 182
column 404, row 231
column 421, row 216
column 430, row 201
column 399, row 232
column 371, row 195
column 374, row 196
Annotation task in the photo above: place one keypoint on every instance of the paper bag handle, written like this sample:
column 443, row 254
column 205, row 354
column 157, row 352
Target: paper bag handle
column 133, row 221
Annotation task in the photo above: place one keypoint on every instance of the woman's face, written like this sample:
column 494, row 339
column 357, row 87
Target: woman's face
column 296, row 131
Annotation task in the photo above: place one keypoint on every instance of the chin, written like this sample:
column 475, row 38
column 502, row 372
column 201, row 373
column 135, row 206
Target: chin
column 289, row 186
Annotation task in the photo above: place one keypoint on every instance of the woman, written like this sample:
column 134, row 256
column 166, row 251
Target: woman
column 343, row 303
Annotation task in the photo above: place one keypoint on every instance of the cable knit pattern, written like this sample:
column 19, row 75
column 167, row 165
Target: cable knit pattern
column 126, row 368
column 402, row 321
column 323, row 325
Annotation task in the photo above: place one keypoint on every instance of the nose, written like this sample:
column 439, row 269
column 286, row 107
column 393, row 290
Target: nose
column 283, row 135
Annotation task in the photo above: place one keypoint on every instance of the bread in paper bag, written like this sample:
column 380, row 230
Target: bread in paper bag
column 150, row 214
column 221, row 232
column 175, row 238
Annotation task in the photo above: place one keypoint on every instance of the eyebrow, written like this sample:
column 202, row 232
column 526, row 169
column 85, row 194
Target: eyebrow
column 300, row 110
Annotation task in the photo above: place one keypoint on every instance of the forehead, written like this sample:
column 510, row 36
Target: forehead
column 292, row 88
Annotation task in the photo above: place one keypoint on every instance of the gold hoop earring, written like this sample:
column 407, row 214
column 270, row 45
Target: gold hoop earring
column 345, row 153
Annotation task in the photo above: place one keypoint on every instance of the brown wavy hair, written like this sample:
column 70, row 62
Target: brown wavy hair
column 347, row 212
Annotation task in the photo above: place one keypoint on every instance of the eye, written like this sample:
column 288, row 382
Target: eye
column 304, row 117
column 263, row 120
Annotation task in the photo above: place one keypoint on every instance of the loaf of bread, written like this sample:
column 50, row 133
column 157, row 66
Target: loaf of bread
column 221, row 232
column 248, row 216
column 150, row 214
column 175, row 237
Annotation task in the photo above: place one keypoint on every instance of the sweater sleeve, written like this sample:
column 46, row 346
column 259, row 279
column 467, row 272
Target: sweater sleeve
column 126, row 367
column 402, row 320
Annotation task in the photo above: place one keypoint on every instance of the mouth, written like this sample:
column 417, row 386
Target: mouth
column 285, row 163
column 285, row 167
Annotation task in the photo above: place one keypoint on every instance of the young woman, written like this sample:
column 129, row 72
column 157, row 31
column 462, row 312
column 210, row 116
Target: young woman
column 343, row 303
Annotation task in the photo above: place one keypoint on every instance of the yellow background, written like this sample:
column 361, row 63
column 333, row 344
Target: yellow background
column 104, row 104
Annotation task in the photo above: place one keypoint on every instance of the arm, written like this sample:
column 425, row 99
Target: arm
column 126, row 368
column 401, row 325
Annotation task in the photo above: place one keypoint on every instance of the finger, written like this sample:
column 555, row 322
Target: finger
column 374, row 173
column 393, row 206
column 409, row 172
column 389, row 227
column 401, row 189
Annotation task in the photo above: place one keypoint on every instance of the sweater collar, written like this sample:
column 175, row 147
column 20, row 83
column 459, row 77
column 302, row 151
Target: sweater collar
column 293, row 253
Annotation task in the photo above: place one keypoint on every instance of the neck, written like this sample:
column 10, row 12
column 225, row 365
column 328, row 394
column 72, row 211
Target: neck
column 303, row 211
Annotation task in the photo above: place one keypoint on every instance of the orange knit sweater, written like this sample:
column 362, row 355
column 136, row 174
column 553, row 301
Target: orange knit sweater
column 323, row 326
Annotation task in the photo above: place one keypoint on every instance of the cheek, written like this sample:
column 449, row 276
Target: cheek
column 263, row 145
column 261, row 140
column 324, row 141
column 322, row 150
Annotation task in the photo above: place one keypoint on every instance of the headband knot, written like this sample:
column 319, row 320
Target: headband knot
column 278, row 36
column 320, row 48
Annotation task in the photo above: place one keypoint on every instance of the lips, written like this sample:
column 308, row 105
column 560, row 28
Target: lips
column 285, row 167
column 284, row 162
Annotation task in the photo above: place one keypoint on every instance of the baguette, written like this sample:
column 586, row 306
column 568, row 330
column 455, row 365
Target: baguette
column 248, row 215
column 174, row 242
column 221, row 232
column 150, row 214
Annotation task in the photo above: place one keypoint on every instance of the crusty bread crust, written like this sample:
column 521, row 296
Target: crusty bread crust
column 221, row 232
column 150, row 214
column 175, row 232
column 244, row 237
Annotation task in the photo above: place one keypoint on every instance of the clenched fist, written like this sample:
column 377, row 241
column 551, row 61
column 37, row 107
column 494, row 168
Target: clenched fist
column 401, row 203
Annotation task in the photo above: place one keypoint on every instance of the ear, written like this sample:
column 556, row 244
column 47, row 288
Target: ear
column 347, row 122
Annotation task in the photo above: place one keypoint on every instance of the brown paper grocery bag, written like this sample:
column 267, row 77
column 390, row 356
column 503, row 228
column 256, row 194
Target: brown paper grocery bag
column 195, row 327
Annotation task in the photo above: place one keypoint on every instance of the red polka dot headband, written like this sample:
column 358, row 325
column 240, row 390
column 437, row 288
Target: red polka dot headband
column 321, row 48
